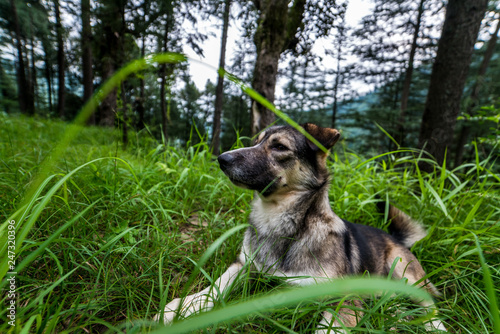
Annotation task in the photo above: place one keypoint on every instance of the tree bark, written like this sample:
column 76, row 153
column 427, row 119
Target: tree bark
column 336, row 85
column 48, row 73
column 7, row 94
column 140, row 101
column 32, row 84
column 465, row 130
column 108, row 104
column 219, row 91
column 113, row 56
column 88, row 76
column 123, row 97
column 449, row 72
column 408, row 76
column 163, row 73
column 276, row 28
column 61, row 90
column 22, row 85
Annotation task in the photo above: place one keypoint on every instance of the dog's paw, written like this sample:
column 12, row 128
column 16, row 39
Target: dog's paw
column 435, row 325
column 169, row 312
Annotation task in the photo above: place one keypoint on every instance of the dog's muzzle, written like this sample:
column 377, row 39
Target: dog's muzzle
column 247, row 170
column 225, row 161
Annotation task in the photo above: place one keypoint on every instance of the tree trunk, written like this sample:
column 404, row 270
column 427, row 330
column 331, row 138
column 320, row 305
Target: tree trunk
column 88, row 77
column 465, row 131
column 140, row 101
column 7, row 94
column 219, row 91
column 337, row 76
column 22, row 86
column 108, row 104
column 335, row 107
column 163, row 104
column 269, row 40
column 48, row 74
column 408, row 76
column 29, row 93
column 163, row 73
column 113, row 56
column 276, row 28
column 449, row 72
column 123, row 97
column 32, row 82
column 61, row 90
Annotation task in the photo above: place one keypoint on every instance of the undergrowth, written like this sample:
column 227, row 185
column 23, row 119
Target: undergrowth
column 116, row 234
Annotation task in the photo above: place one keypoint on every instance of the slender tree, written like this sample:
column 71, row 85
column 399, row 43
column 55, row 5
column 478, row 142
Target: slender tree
column 219, row 91
column 449, row 72
column 474, row 96
column 394, row 31
column 124, row 107
column 395, row 39
column 144, row 19
column 166, row 71
column 7, row 89
column 61, row 85
column 338, row 73
column 32, row 71
column 22, row 83
column 142, row 90
column 86, row 39
column 112, row 32
column 405, row 94
column 47, row 48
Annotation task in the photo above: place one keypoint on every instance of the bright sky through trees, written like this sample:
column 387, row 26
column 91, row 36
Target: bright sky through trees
column 200, row 73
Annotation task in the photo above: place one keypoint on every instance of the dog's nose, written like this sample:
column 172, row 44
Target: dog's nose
column 225, row 160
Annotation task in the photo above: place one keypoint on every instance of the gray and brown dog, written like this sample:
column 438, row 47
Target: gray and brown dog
column 295, row 233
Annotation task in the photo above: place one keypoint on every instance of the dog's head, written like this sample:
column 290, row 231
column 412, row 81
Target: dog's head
column 281, row 160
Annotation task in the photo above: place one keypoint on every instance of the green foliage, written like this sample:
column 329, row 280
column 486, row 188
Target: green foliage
column 8, row 94
column 115, row 234
column 486, row 123
column 147, row 204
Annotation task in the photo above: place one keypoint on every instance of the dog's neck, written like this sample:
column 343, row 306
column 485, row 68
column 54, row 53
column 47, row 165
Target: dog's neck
column 291, row 213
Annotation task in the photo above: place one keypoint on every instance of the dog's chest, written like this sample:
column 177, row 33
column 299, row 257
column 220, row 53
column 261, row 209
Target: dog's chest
column 282, row 242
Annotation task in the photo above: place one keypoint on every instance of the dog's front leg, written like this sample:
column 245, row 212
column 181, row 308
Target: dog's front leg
column 203, row 300
column 343, row 318
column 329, row 325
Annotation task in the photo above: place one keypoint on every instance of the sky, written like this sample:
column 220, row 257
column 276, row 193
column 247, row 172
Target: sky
column 204, row 68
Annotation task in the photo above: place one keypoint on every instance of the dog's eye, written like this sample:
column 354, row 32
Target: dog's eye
column 279, row 147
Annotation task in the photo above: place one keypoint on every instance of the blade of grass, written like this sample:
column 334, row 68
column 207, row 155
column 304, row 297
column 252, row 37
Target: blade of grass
column 60, row 280
column 387, row 134
column 490, row 288
column 32, row 256
column 472, row 213
column 437, row 198
column 25, row 227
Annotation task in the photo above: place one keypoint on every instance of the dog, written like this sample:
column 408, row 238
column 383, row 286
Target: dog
column 294, row 231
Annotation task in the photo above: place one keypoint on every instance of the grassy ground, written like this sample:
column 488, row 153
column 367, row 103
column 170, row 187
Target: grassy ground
column 112, row 241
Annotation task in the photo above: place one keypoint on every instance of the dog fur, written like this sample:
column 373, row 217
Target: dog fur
column 295, row 233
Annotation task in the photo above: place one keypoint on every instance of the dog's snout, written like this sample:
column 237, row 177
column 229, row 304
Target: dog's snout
column 225, row 160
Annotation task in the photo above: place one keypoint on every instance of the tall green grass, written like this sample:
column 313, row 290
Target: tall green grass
column 117, row 234
column 108, row 236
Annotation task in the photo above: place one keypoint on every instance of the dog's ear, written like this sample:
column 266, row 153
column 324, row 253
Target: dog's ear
column 326, row 136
